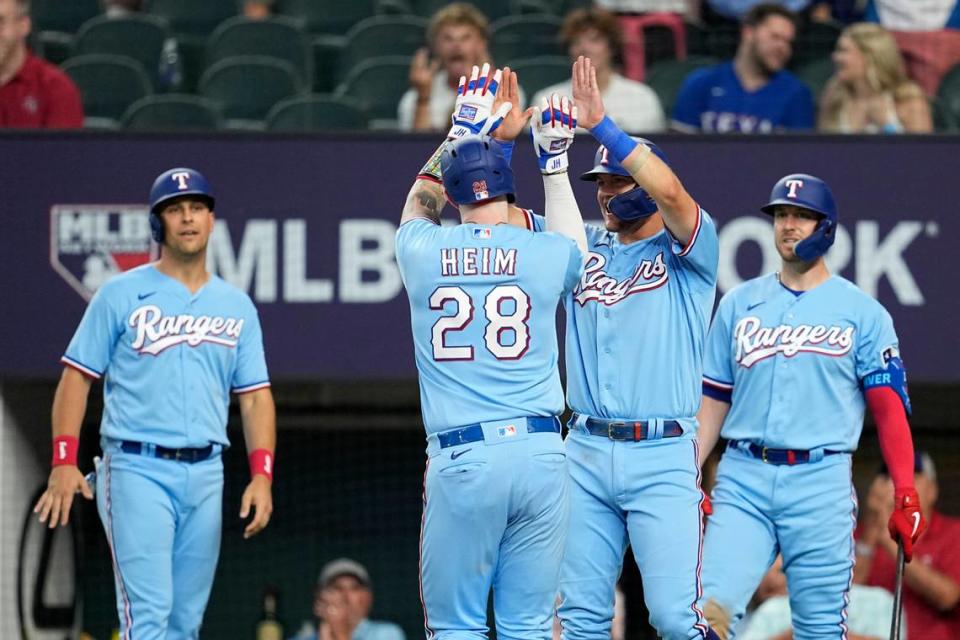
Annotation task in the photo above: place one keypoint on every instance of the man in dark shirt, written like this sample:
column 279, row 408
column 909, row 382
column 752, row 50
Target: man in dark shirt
column 33, row 93
column 751, row 93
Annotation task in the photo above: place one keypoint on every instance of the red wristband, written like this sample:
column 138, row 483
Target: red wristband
column 65, row 450
column 261, row 461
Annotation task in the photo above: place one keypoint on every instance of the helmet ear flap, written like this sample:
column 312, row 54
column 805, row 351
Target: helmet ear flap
column 156, row 228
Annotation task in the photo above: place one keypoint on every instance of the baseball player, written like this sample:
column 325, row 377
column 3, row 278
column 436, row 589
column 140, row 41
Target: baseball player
column 483, row 300
column 170, row 341
column 791, row 359
column 636, row 324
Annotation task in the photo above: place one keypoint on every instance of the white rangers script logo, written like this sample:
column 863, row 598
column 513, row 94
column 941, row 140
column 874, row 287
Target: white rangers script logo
column 156, row 332
column 595, row 284
column 755, row 343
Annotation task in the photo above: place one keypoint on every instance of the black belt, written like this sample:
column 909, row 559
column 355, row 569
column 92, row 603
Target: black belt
column 776, row 456
column 634, row 430
column 186, row 454
column 474, row 432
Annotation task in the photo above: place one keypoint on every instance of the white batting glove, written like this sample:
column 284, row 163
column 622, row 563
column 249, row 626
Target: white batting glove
column 472, row 110
column 552, row 128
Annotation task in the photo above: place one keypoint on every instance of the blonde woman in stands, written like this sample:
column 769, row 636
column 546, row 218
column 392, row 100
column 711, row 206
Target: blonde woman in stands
column 869, row 91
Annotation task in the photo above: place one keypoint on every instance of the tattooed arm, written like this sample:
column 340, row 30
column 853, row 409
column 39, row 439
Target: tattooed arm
column 425, row 200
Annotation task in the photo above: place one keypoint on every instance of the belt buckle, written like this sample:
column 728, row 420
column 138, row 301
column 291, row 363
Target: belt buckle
column 763, row 454
column 610, row 428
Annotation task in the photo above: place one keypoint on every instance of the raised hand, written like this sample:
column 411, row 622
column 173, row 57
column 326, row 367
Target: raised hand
column 515, row 119
column 473, row 112
column 552, row 130
column 422, row 70
column 586, row 93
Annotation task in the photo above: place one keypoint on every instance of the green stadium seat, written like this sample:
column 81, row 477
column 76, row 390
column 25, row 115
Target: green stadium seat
column 721, row 41
column 382, row 36
column 667, row 76
column 378, row 84
column 540, row 72
column 108, row 84
column 327, row 50
column 949, row 92
column 55, row 22
column 316, row 112
column 172, row 112
column 525, row 37
column 327, row 16
column 62, row 15
column 280, row 37
column 815, row 75
column 815, row 41
column 246, row 87
column 140, row 37
column 196, row 17
column 943, row 120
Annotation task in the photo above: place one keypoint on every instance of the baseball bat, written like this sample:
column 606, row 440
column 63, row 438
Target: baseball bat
column 898, row 595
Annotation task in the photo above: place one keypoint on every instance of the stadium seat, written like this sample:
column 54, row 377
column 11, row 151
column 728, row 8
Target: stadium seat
column 197, row 17
column 246, row 87
column 327, row 16
column 326, row 61
column 55, row 22
column 108, row 84
column 721, row 41
column 61, row 15
column 378, row 84
column 280, row 37
column 382, row 36
column 815, row 75
column 667, row 76
column 949, row 92
column 540, row 72
column 636, row 30
column 137, row 36
column 815, row 41
column 525, row 37
column 316, row 112
column 172, row 112
column 943, row 120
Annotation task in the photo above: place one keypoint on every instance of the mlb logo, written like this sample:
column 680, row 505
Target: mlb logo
column 889, row 354
column 480, row 191
column 507, row 432
column 467, row 112
column 483, row 234
column 90, row 243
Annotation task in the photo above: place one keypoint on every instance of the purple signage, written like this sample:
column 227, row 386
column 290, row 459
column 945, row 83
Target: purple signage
column 306, row 226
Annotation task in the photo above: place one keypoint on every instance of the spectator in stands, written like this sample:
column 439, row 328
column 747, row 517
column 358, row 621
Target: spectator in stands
column 341, row 603
column 458, row 40
column 595, row 34
column 752, row 93
column 928, row 36
column 258, row 9
column 868, row 613
column 931, row 583
column 33, row 93
column 734, row 11
column 870, row 92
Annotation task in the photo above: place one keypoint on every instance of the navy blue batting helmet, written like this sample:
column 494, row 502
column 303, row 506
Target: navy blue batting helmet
column 809, row 192
column 633, row 204
column 475, row 169
column 173, row 184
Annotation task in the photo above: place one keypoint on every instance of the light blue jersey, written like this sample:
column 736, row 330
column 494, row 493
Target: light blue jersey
column 169, row 358
column 794, row 363
column 483, row 303
column 628, row 294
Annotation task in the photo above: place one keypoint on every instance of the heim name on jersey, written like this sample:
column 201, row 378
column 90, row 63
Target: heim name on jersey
column 474, row 261
column 756, row 342
column 156, row 332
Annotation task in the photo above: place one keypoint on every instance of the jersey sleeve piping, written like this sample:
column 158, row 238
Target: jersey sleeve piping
column 694, row 235
column 256, row 386
column 87, row 372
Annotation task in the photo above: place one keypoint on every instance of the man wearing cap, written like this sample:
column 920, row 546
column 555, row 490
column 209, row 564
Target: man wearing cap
column 341, row 603
column 791, row 361
column 931, row 585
